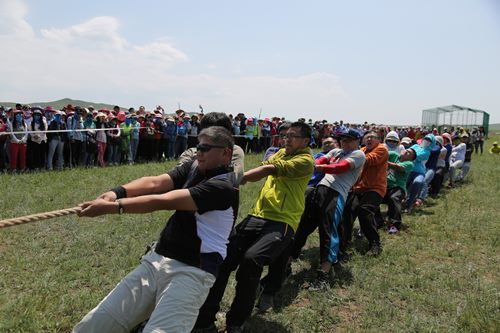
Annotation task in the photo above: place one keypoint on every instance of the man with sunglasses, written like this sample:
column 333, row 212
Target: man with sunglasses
column 174, row 278
column 238, row 159
column 266, row 232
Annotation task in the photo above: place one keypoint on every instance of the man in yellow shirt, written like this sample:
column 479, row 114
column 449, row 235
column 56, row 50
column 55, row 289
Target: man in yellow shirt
column 266, row 232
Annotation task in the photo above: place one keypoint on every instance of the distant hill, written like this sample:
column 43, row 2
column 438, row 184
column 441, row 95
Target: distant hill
column 65, row 101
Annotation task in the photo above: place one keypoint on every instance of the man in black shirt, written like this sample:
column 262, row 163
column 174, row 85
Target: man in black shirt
column 173, row 279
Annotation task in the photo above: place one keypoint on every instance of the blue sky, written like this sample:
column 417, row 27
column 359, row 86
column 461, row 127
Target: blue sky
column 379, row 61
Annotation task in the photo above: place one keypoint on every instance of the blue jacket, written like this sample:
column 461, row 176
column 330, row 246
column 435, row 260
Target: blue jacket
column 422, row 155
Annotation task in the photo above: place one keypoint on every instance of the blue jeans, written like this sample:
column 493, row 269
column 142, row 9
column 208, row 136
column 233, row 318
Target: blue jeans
column 429, row 175
column 414, row 186
column 169, row 153
column 55, row 144
column 134, row 143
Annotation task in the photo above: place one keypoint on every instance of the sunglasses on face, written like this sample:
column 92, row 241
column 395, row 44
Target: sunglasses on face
column 204, row 147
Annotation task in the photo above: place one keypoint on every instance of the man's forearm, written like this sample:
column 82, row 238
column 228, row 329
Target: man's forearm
column 258, row 173
column 149, row 185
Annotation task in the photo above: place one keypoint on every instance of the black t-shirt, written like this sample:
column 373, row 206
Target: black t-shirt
column 211, row 192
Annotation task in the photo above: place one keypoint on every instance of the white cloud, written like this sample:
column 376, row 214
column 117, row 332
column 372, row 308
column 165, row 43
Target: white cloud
column 161, row 51
column 12, row 22
column 93, row 61
column 102, row 30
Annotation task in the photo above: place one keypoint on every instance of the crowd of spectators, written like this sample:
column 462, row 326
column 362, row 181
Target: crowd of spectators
column 33, row 138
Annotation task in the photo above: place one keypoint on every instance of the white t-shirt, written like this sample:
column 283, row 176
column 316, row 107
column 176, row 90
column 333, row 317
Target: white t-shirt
column 343, row 182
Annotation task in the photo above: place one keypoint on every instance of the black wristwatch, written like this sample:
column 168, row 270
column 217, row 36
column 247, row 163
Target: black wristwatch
column 120, row 207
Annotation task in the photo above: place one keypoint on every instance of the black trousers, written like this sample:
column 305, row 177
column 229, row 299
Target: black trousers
column 394, row 200
column 255, row 243
column 362, row 205
column 437, row 181
column 323, row 211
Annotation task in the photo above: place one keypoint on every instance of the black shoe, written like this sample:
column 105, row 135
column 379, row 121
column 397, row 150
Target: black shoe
column 234, row 329
column 266, row 303
column 374, row 250
column 322, row 282
column 209, row 329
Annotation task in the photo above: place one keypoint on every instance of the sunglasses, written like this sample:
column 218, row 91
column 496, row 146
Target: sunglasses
column 204, row 147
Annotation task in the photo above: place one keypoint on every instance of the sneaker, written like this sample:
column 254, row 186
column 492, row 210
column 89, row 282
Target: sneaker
column 393, row 230
column 209, row 329
column 234, row 329
column 322, row 282
column 419, row 203
column 374, row 250
column 266, row 303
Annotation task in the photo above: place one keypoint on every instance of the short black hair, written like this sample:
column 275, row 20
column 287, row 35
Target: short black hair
column 305, row 129
column 215, row 119
column 218, row 135
column 284, row 126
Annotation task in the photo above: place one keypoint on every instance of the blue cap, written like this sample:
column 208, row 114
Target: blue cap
column 352, row 133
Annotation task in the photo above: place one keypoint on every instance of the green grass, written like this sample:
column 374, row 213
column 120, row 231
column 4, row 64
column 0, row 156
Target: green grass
column 440, row 274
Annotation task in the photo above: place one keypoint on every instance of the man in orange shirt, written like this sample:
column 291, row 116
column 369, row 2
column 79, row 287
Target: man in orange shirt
column 367, row 194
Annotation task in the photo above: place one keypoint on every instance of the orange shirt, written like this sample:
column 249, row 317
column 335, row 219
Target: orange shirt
column 374, row 174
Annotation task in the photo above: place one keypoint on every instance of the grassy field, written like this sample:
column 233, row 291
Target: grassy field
column 440, row 274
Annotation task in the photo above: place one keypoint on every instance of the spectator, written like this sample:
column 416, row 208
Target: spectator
column 101, row 137
column 134, row 138
column 18, row 142
column 90, row 140
column 56, row 141
column 38, row 140
column 236, row 126
column 495, row 149
column 183, row 128
column 113, row 141
column 479, row 143
column 77, row 145
column 126, row 128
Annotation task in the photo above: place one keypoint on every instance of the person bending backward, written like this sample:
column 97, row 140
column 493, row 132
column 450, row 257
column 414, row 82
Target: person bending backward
column 400, row 167
column 174, row 278
column 266, row 231
column 325, row 203
column 417, row 175
column 280, row 267
column 367, row 193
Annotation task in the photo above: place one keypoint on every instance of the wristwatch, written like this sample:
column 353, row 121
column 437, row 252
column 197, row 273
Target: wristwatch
column 120, row 207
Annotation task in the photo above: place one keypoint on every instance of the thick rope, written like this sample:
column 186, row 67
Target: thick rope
column 38, row 217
